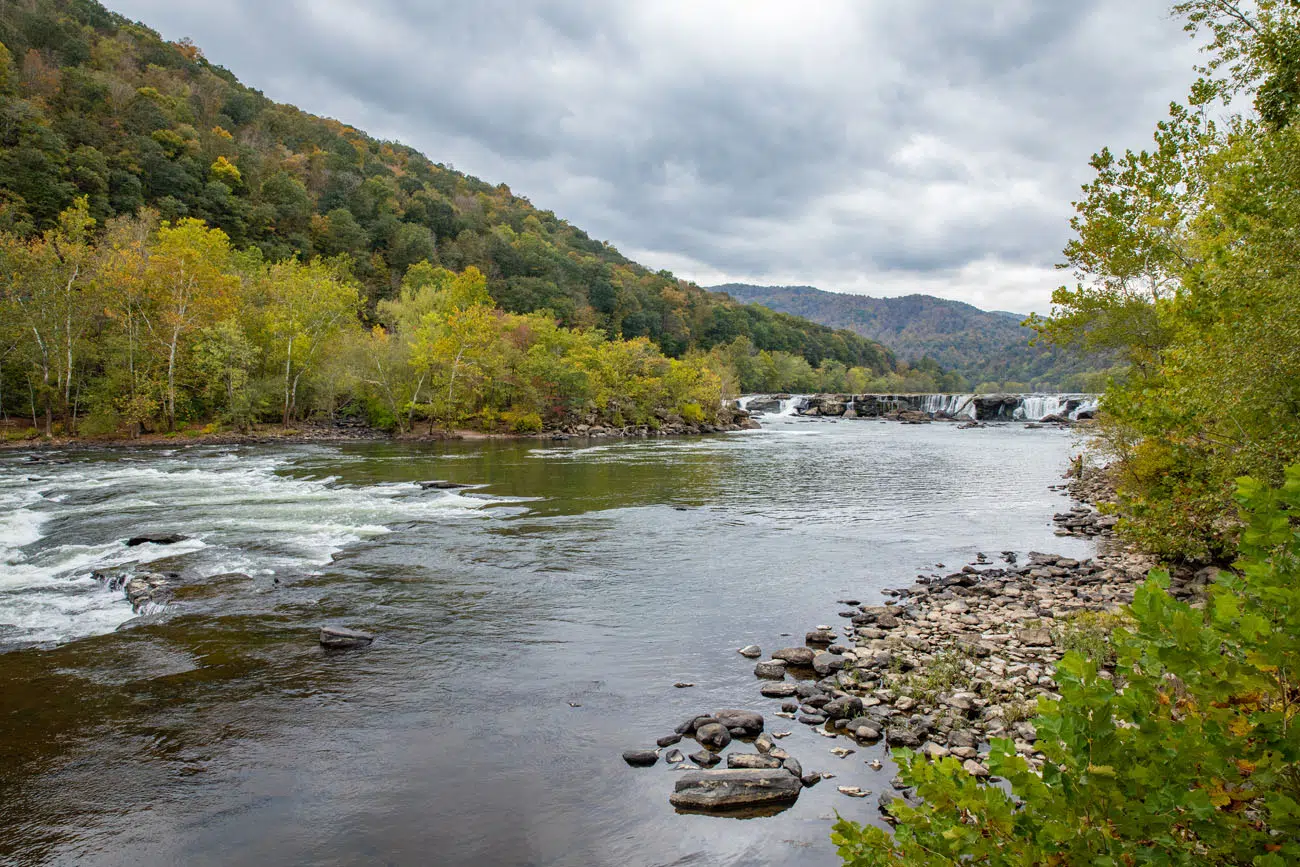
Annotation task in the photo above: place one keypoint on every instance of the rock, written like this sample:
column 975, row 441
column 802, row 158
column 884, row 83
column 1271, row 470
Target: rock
column 1038, row 637
column 713, row 735
column 155, row 539
column 792, row 765
column 669, row 740
column 777, row 690
column 147, row 589
column 733, row 789
column 751, row 722
column 640, row 758
column 810, row 780
column 904, row 736
column 689, row 725
column 800, row 656
column 751, row 651
column 844, row 707
column 827, row 663
column 772, row 670
column 683, row 684
column 763, row 743
column 705, row 759
column 853, row 791
column 820, row 637
column 842, row 752
column 753, row 761
column 674, row 757
column 341, row 638
column 866, row 733
column 974, row 768
column 440, row 485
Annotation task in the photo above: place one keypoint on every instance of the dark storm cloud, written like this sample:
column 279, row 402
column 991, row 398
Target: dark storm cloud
column 879, row 147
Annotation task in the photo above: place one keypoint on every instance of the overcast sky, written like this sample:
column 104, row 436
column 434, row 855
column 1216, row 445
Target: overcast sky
column 873, row 147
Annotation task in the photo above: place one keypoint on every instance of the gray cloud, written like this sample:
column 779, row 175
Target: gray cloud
column 872, row 147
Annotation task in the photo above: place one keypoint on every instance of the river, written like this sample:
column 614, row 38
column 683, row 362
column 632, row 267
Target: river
column 530, row 629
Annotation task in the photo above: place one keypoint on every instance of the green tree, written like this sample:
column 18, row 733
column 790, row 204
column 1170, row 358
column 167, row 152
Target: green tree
column 304, row 308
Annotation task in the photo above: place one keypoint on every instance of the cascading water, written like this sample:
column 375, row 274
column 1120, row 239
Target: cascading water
column 1036, row 406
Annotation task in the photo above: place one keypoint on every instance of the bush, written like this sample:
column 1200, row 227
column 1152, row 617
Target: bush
column 1195, row 759
column 691, row 413
column 523, row 422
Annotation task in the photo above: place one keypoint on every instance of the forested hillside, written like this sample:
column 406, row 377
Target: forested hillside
column 989, row 349
column 123, row 155
column 98, row 106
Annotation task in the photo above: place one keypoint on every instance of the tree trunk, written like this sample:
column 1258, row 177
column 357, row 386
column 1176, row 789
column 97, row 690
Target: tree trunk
column 171, row 381
column 288, row 361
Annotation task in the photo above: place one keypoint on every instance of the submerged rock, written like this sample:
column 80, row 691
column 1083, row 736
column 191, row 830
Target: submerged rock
column 440, row 485
column 341, row 638
column 734, row 789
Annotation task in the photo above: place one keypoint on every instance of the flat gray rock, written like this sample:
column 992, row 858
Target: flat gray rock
column 735, row 789
column 339, row 637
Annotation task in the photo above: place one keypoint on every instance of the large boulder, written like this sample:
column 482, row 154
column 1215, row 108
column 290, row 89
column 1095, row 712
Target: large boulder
column 713, row 735
column 845, row 707
column 735, row 789
column 800, row 656
column 827, row 663
column 751, row 722
column 640, row 758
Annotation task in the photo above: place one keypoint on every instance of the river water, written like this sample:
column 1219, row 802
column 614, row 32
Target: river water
column 529, row 629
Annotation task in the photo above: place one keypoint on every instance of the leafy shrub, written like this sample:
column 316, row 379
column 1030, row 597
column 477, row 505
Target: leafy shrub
column 1194, row 760
column 691, row 413
column 523, row 422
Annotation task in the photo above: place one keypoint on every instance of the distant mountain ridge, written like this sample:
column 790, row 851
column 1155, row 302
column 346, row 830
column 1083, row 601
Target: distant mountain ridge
column 983, row 346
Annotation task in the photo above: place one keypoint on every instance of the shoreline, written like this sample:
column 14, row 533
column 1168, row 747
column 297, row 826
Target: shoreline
column 961, row 656
column 332, row 433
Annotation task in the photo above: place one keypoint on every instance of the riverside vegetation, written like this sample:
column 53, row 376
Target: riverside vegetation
column 178, row 250
column 1172, row 738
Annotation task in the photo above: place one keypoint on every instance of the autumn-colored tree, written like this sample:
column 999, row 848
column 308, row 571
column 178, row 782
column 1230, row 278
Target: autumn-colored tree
column 304, row 306
column 190, row 283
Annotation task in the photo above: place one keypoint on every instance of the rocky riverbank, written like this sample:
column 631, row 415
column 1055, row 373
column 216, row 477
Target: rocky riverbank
column 731, row 420
column 952, row 661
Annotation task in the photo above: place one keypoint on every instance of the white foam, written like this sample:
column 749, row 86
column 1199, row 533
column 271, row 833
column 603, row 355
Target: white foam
column 241, row 513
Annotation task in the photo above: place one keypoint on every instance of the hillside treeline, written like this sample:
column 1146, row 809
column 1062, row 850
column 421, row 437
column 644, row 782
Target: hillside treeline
column 149, row 325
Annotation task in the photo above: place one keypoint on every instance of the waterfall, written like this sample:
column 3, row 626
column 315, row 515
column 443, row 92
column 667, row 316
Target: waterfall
column 1087, row 403
column 792, row 406
column 953, row 405
column 1035, row 406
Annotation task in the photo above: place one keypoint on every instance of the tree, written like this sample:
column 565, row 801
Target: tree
column 50, row 287
column 304, row 307
column 190, row 283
